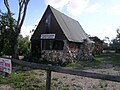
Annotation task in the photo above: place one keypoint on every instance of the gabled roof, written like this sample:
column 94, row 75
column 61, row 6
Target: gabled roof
column 95, row 39
column 71, row 28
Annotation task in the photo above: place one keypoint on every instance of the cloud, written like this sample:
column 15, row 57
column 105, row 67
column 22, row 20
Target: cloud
column 25, row 30
column 94, row 7
column 102, row 32
column 108, row 31
column 115, row 10
column 76, row 7
column 57, row 3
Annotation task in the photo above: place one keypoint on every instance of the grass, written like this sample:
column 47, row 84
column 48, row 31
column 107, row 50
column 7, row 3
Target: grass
column 100, row 60
column 111, row 58
column 34, row 80
column 102, row 84
column 30, row 80
column 23, row 80
column 55, row 79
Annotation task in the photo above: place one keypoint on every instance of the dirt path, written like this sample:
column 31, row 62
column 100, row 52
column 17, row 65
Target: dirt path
column 84, row 83
column 4, row 87
column 71, row 82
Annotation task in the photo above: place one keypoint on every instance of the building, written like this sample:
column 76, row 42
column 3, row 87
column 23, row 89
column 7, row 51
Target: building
column 98, row 45
column 58, row 36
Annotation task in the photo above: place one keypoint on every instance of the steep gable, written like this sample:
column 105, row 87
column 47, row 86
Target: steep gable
column 70, row 27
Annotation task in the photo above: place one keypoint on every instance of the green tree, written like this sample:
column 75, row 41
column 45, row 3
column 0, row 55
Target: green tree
column 22, row 5
column 23, row 45
column 7, row 34
column 116, row 42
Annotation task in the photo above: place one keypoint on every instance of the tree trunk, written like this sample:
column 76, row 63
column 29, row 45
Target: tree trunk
column 21, row 17
column 2, row 45
column 15, row 53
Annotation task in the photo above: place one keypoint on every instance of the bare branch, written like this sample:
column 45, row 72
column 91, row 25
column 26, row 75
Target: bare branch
column 24, row 13
column 20, row 10
column 21, row 16
column 8, row 7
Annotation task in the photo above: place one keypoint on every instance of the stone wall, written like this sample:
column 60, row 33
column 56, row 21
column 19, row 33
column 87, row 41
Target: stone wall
column 58, row 56
column 69, row 55
column 85, row 51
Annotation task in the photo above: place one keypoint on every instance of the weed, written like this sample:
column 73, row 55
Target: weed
column 65, row 77
column 59, row 82
column 103, row 84
column 23, row 80
column 70, row 65
column 55, row 79
column 72, row 79
column 100, row 61
column 65, row 87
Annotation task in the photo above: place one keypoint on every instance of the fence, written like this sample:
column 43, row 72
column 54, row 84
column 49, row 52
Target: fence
column 58, row 69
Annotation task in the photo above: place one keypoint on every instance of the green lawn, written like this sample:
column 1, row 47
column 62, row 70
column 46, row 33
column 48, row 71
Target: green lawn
column 100, row 60
column 23, row 80
column 108, row 58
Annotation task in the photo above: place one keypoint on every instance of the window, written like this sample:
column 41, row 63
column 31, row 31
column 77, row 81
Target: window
column 48, row 23
column 52, row 45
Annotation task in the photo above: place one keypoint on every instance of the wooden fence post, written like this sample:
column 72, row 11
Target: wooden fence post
column 48, row 80
column 50, row 69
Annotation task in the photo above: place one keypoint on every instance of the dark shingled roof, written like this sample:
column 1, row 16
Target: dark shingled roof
column 70, row 27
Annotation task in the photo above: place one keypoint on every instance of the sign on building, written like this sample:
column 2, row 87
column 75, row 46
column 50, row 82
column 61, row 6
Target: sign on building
column 47, row 36
column 5, row 65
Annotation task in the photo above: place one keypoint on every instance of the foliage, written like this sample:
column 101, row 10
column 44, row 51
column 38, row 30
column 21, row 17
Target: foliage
column 100, row 60
column 23, row 45
column 22, row 5
column 116, row 42
column 8, row 36
column 23, row 80
column 8, row 33
column 27, row 79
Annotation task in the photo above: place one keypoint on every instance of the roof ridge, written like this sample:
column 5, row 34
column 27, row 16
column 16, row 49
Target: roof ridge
column 62, row 13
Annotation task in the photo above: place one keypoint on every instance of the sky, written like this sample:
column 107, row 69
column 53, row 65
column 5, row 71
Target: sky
column 99, row 18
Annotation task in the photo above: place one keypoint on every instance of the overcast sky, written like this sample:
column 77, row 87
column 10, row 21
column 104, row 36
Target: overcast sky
column 97, row 17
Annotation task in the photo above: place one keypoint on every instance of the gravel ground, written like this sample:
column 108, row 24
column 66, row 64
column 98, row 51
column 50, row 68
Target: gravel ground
column 71, row 82
column 4, row 87
column 84, row 83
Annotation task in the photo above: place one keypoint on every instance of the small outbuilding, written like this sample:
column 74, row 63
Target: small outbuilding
column 98, row 45
column 59, row 37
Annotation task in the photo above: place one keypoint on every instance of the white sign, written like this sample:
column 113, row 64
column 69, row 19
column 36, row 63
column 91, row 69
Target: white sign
column 47, row 36
column 5, row 65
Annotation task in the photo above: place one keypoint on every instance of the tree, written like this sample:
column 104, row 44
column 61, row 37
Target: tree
column 21, row 17
column 8, row 31
column 7, row 36
column 23, row 45
column 116, row 42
